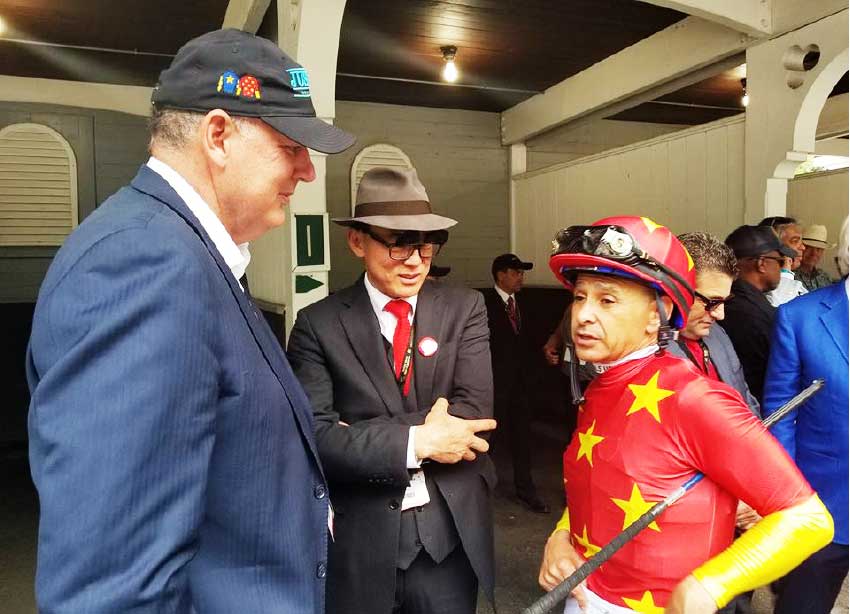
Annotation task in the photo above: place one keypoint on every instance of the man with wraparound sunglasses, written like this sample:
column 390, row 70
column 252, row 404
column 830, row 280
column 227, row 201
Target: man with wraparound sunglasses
column 749, row 315
column 706, row 345
column 397, row 369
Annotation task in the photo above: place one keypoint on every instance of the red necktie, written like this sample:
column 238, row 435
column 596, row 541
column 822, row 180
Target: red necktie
column 401, row 338
column 513, row 316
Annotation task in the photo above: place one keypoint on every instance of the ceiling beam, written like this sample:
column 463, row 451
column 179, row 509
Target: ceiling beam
column 130, row 99
column 246, row 15
column 754, row 17
column 674, row 52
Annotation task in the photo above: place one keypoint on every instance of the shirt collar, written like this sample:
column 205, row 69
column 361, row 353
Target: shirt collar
column 379, row 300
column 504, row 295
column 236, row 257
column 601, row 367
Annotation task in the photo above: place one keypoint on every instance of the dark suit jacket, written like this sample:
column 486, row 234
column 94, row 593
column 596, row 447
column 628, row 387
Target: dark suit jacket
column 809, row 342
column 170, row 443
column 749, row 324
column 338, row 353
column 511, row 354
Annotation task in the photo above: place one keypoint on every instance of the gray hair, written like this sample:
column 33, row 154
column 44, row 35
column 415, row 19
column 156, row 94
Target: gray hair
column 176, row 128
column 709, row 253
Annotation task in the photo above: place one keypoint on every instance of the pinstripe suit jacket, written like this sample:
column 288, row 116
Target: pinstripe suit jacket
column 170, row 443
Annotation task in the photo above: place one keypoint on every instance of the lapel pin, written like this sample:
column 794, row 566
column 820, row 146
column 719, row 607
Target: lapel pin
column 428, row 346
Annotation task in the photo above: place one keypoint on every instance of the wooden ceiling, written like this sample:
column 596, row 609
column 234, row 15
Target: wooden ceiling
column 508, row 50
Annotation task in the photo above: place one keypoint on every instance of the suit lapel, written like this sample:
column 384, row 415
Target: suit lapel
column 364, row 334
column 430, row 311
column 834, row 318
column 151, row 183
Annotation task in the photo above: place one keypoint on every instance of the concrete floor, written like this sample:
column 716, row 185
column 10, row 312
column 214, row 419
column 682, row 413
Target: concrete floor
column 520, row 534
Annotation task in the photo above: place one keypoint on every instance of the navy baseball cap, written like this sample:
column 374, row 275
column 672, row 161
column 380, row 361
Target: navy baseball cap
column 753, row 241
column 509, row 261
column 247, row 76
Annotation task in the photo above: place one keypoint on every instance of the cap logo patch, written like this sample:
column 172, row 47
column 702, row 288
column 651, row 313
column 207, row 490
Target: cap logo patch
column 232, row 84
column 249, row 87
column 228, row 82
column 299, row 81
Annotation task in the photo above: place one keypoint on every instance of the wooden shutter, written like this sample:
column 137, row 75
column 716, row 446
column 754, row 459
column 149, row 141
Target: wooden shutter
column 38, row 186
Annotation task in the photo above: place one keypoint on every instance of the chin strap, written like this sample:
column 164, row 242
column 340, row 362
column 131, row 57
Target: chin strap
column 666, row 333
column 575, row 388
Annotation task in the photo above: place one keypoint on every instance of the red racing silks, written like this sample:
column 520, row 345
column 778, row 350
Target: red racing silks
column 646, row 427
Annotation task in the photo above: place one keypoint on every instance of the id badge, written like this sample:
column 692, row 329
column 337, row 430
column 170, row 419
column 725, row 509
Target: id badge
column 417, row 493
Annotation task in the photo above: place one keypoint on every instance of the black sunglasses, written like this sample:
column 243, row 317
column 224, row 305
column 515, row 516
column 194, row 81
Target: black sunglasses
column 779, row 259
column 713, row 303
column 428, row 244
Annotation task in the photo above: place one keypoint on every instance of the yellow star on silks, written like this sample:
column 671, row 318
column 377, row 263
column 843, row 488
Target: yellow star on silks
column 584, row 540
column 635, row 507
column 586, row 442
column 650, row 225
column 646, row 605
column 647, row 396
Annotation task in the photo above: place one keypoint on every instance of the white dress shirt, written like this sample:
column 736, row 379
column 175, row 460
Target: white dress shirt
column 504, row 295
column 388, row 322
column 236, row 257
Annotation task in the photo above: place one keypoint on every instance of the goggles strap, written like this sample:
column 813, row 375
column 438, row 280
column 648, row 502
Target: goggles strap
column 666, row 333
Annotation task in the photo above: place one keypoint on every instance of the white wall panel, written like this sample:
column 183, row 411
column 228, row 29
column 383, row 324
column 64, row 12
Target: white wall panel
column 690, row 180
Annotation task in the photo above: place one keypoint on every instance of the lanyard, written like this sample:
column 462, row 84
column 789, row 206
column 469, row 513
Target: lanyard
column 407, row 361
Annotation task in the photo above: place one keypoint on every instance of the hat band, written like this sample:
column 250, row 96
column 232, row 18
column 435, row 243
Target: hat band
column 393, row 207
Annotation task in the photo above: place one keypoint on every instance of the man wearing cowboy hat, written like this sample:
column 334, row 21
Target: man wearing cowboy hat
column 815, row 240
column 398, row 372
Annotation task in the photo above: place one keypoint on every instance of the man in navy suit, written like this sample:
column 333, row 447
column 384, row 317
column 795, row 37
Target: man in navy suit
column 809, row 342
column 170, row 443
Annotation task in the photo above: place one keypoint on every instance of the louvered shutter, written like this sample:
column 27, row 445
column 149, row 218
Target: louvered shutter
column 38, row 186
column 380, row 154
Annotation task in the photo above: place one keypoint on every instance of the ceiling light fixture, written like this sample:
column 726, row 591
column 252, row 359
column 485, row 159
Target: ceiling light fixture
column 450, row 72
column 745, row 99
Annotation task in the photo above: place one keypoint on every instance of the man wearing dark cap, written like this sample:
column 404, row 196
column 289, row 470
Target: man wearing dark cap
column 397, row 369
column 171, row 445
column 512, row 354
column 749, row 315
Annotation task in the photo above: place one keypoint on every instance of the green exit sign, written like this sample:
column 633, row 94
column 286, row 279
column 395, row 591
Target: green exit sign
column 309, row 240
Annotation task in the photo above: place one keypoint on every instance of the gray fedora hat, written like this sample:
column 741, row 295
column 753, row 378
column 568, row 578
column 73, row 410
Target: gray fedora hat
column 394, row 198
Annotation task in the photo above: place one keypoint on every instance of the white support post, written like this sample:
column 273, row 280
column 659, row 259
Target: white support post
column 308, row 31
column 518, row 165
column 246, row 15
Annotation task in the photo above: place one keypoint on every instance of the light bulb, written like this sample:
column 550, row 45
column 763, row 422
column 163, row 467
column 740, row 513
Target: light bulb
column 745, row 99
column 450, row 73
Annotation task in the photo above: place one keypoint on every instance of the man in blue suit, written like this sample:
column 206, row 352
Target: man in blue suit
column 170, row 443
column 809, row 342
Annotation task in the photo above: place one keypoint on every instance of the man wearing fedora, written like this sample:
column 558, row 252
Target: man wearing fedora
column 397, row 369
column 812, row 277
column 170, row 443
